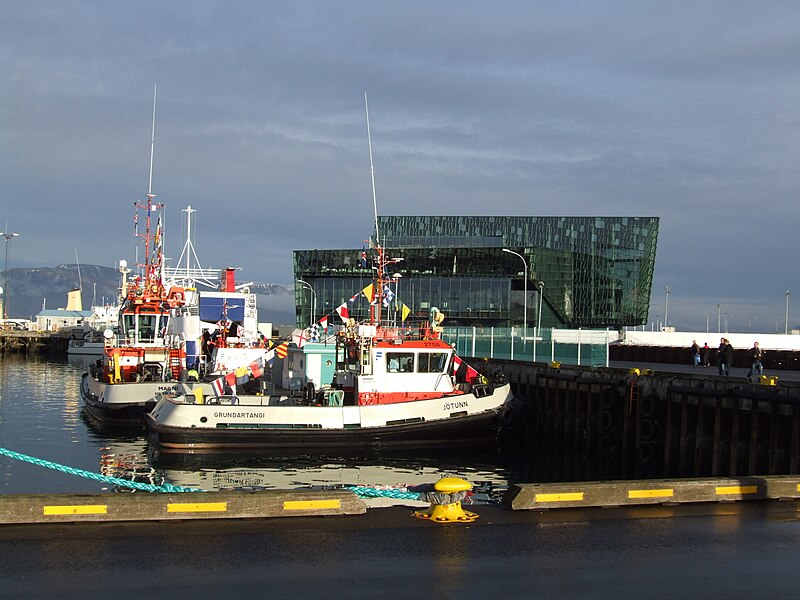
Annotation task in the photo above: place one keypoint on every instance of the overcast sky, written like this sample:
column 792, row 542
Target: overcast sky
column 689, row 111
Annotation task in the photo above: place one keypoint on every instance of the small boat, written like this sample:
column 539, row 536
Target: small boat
column 88, row 345
column 165, row 343
column 394, row 387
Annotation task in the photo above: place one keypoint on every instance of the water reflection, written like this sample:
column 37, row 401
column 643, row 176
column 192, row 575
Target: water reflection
column 291, row 471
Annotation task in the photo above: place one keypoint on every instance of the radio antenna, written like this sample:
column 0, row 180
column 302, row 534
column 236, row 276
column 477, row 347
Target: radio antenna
column 372, row 173
column 152, row 143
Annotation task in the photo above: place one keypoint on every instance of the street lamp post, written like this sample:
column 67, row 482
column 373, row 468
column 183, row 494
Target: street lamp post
column 10, row 236
column 786, row 318
column 525, row 303
column 666, row 306
column 540, row 287
column 313, row 299
column 719, row 326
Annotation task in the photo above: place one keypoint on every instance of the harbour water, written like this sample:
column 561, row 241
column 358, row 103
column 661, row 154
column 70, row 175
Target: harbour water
column 41, row 415
column 686, row 551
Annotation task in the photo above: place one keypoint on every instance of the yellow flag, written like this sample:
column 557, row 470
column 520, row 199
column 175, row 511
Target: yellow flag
column 241, row 371
column 368, row 291
column 404, row 312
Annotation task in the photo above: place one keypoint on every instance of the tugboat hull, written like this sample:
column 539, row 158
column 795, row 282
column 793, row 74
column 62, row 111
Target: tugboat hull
column 465, row 420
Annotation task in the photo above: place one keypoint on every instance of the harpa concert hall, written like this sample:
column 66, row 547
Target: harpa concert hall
column 563, row 272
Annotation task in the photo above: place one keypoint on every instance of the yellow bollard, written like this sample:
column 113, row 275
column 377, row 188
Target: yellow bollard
column 449, row 512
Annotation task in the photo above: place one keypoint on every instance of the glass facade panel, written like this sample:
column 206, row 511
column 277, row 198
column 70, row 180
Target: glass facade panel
column 592, row 271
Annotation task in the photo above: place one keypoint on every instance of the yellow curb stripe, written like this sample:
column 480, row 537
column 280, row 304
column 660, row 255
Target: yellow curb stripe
column 561, row 497
column 663, row 493
column 736, row 489
column 85, row 509
column 311, row 504
column 176, row 507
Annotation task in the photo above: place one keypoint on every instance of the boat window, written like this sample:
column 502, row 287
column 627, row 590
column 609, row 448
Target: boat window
column 128, row 326
column 432, row 362
column 147, row 327
column 400, row 362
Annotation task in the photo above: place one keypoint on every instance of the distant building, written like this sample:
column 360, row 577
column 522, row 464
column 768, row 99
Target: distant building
column 593, row 271
column 72, row 316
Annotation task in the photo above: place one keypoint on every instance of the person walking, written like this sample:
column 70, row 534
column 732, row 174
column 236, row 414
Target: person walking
column 756, row 354
column 706, row 355
column 727, row 357
column 721, row 356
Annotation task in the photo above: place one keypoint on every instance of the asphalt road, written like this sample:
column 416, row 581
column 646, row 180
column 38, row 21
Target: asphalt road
column 742, row 550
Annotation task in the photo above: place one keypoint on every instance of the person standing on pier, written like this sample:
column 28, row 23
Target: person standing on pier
column 695, row 354
column 724, row 357
column 728, row 356
column 755, row 354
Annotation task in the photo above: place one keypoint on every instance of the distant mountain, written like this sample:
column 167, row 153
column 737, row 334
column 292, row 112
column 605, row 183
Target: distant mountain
column 30, row 290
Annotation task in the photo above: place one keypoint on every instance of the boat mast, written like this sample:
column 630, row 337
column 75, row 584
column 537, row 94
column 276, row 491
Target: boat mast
column 375, row 308
column 152, row 277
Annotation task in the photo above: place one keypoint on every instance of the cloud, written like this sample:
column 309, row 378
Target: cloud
column 682, row 110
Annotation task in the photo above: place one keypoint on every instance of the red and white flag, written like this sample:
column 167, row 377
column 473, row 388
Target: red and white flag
column 218, row 386
column 344, row 313
column 456, row 364
column 300, row 337
column 472, row 374
column 323, row 323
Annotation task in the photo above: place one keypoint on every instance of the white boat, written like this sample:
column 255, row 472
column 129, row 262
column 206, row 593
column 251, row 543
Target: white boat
column 94, row 341
column 170, row 337
column 85, row 347
column 394, row 387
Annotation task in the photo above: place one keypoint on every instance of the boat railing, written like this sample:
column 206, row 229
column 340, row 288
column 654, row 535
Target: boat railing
column 393, row 333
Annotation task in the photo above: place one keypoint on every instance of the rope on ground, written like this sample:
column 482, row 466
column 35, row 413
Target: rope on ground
column 368, row 492
column 147, row 487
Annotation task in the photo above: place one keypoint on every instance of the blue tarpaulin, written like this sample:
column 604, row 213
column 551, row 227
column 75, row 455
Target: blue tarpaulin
column 211, row 309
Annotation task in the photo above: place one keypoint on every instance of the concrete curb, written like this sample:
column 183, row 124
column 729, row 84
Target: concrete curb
column 69, row 508
column 538, row 496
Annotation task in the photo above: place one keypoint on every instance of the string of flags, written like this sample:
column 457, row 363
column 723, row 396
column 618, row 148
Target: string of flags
column 243, row 374
column 387, row 297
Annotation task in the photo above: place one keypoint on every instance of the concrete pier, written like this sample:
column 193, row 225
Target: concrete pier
column 33, row 342
column 650, row 491
column 64, row 508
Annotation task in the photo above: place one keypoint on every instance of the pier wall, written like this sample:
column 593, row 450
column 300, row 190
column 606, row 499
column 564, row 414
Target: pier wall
column 603, row 423
column 32, row 342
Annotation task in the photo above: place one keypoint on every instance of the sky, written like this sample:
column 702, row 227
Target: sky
column 688, row 111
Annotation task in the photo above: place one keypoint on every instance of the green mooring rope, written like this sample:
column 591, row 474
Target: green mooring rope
column 367, row 492
column 360, row 491
column 147, row 487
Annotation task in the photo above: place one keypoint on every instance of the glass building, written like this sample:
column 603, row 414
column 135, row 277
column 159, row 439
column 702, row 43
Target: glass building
column 564, row 272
